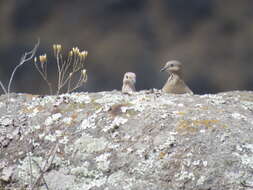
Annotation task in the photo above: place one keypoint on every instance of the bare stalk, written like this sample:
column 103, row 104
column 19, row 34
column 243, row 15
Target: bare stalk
column 4, row 89
column 46, row 166
column 41, row 176
column 42, row 69
column 59, row 71
column 26, row 57
column 82, row 79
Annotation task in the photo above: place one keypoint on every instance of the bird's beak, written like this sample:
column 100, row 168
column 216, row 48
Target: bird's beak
column 163, row 69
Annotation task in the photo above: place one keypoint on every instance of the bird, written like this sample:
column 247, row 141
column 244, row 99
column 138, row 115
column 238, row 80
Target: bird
column 129, row 81
column 175, row 84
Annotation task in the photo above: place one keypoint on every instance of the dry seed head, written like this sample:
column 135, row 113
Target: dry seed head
column 82, row 55
column 43, row 58
column 75, row 51
column 84, row 73
column 71, row 53
column 59, row 48
column 54, row 47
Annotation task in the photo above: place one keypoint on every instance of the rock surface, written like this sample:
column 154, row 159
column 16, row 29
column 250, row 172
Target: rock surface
column 144, row 141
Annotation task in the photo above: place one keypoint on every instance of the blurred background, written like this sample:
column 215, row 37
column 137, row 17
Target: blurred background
column 212, row 38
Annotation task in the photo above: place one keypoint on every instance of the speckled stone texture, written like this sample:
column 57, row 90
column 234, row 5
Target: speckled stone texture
column 144, row 141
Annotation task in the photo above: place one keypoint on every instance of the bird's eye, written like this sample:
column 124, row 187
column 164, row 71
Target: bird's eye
column 172, row 65
column 127, row 77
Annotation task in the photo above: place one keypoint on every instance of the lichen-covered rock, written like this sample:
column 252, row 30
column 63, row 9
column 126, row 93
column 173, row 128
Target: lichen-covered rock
column 145, row 141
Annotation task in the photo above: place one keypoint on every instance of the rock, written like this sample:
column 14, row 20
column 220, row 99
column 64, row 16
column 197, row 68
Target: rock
column 7, row 173
column 149, row 141
column 57, row 180
column 5, row 121
column 3, row 163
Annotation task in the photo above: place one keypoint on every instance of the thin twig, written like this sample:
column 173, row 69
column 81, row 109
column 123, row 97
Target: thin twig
column 74, row 71
column 81, row 81
column 59, row 72
column 43, row 73
column 47, row 165
column 30, row 168
column 29, row 159
column 42, row 174
column 4, row 89
column 244, row 184
column 26, row 57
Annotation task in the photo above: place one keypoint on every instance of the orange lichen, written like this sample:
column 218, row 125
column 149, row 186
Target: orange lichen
column 74, row 116
column 161, row 155
column 31, row 96
column 31, row 110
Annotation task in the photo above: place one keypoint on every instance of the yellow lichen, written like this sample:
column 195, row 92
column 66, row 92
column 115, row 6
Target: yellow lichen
column 192, row 126
column 181, row 113
column 204, row 107
column 74, row 116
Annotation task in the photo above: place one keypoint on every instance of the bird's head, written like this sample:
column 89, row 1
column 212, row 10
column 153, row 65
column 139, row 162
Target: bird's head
column 173, row 66
column 129, row 77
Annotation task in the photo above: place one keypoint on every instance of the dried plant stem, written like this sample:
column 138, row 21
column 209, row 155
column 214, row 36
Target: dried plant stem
column 46, row 166
column 67, row 69
column 4, row 89
column 59, row 73
column 40, row 177
column 26, row 57
column 30, row 167
column 64, row 70
column 43, row 73
column 69, row 78
column 64, row 67
column 81, row 80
